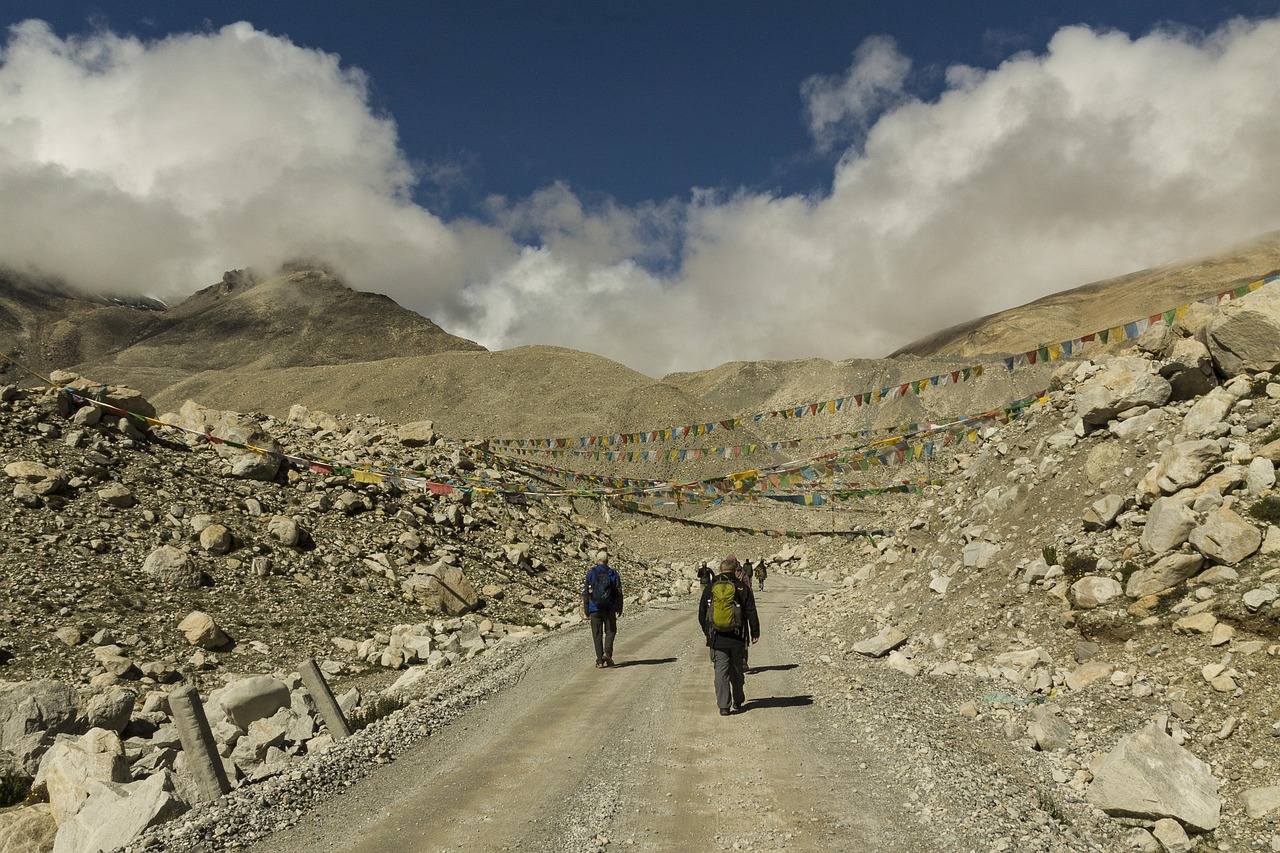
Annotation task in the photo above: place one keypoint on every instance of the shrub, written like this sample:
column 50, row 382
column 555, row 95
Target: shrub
column 1128, row 568
column 382, row 706
column 1050, row 555
column 14, row 789
column 1267, row 509
column 1076, row 566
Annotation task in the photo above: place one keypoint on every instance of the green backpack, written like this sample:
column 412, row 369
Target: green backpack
column 726, row 612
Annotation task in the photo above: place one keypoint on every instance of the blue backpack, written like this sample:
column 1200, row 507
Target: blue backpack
column 601, row 586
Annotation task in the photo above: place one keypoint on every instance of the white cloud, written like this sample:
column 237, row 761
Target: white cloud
column 153, row 167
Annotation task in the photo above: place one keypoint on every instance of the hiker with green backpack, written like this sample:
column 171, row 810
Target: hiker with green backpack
column 727, row 614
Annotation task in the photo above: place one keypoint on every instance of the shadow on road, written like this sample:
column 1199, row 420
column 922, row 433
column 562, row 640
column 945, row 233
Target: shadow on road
column 782, row 667
column 778, row 702
column 651, row 662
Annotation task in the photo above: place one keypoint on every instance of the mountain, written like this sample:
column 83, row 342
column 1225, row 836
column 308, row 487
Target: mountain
column 1101, row 304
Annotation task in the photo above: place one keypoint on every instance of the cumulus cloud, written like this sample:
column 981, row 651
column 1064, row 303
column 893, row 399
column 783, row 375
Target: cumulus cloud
column 128, row 166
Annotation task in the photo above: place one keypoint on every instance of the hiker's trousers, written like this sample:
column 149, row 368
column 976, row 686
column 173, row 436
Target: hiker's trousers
column 729, row 666
column 604, row 627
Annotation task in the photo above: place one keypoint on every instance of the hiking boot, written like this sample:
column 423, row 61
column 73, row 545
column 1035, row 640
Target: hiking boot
column 608, row 660
column 737, row 706
column 724, row 712
column 599, row 664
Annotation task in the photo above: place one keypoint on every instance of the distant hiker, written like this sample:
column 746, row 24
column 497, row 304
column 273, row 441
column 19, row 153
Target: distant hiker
column 602, row 604
column 761, row 574
column 727, row 614
column 705, row 574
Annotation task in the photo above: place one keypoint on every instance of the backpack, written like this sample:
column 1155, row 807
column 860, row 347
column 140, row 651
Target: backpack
column 726, row 612
column 601, row 589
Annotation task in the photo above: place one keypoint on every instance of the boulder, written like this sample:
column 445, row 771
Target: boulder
column 1103, row 512
column 1225, row 537
column 32, row 714
column 1243, row 336
column 116, row 814
column 1149, row 776
column 173, row 567
column 30, row 829
column 111, row 709
column 1207, row 413
column 254, row 698
column 70, row 768
column 1189, row 369
column 285, row 530
column 1123, row 383
column 1170, row 570
column 1261, row 476
column 1261, row 802
column 40, row 478
column 417, row 434
column 1049, row 731
column 1169, row 524
column 1186, row 464
column 216, row 539
column 881, row 644
column 201, row 630
column 441, row 588
column 1094, row 590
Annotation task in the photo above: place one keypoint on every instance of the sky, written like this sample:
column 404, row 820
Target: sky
column 673, row 185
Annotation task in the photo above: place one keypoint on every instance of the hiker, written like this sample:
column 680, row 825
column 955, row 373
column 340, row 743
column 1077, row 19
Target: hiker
column 602, row 605
column 727, row 614
column 705, row 574
column 761, row 574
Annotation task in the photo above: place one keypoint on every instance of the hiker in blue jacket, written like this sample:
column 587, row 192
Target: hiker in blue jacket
column 602, row 604
column 727, row 614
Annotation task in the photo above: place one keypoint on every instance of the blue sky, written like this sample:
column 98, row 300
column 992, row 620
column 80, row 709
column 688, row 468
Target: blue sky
column 773, row 180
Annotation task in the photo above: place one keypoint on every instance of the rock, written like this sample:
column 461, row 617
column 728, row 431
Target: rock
column 111, row 709
column 1189, row 369
column 30, row 829
column 1168, row 571
column 32, row 714
column 1225, row 537
column 417, row 434
column 1094, row 590
column 1200, row 623
column 116, row 814
column 173, row 567
column 1087, row 673
column 1256, row 599
column 1103, row 512
column 1261, row 476
column 254, row 698
column 1123, row 383
column 1186, row 464
column 1049, row 731
column 216, row 539
column 40, row 478
column 441, row 588
column 1169, row 524
column 1172, row 837
column 1207, row 413
column 117, row 495
column 881, row 644
column 285, row 530
column 70, row 767
column 979, row 554
column 1148, row 776
column 1261, row 802
column 201, row 630
column 1244, row 334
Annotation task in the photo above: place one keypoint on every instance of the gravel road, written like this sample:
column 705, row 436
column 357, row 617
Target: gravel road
column 571, row 758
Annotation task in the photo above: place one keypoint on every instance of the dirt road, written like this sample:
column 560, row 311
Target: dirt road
column 573, row 758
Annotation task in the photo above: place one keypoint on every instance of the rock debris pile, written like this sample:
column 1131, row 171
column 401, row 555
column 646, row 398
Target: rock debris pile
column 1094, row 596
column 137, row 559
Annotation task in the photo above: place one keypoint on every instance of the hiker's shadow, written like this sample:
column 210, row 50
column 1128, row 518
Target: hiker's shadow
column 650, row 662
column 782, row 667
column 779, row 702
